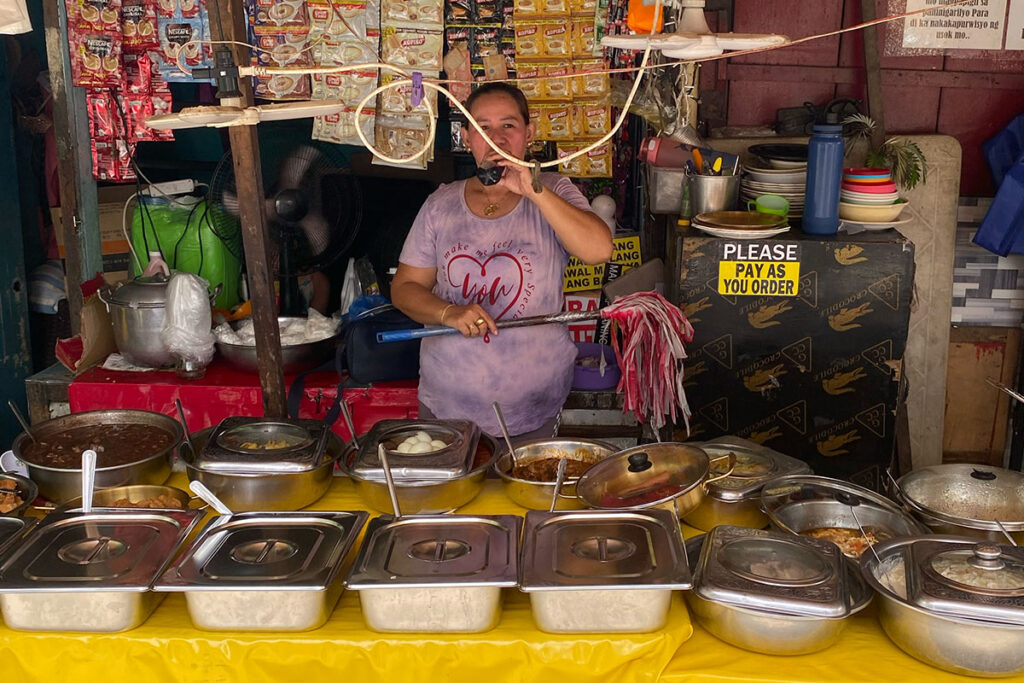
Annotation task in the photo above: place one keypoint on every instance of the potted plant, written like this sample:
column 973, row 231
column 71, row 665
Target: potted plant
column 899, row 154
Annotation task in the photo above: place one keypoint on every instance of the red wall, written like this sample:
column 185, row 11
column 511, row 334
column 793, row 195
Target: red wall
column 968, row 94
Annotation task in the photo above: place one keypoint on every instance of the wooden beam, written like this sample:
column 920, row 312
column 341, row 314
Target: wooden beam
column 245, row 154
column 79, row 212
column 872, row 70
column 798, row 73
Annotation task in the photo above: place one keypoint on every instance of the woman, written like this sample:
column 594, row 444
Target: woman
column 477, row 254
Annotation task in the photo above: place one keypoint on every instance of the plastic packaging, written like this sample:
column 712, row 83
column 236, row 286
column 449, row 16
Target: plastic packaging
column 824, row 175
column 186, row 332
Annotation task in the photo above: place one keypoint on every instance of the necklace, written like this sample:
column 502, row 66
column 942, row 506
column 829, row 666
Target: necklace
column 491, row 207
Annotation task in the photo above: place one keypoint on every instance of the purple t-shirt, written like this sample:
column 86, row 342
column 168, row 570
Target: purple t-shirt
column 513, row 267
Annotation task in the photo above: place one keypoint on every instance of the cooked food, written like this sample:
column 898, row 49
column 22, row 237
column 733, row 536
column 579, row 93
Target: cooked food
column 746, row 465
column 892, row 574
column 420, row 442
column 955, row 568
column 115, row 444
column 545, row 468
column 851, row 541
column 270, row 445
column 781, row 568
column 9, row 498
column 163, row 501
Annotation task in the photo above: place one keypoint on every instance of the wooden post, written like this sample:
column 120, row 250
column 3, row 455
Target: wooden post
column 876, row 109
column 79, row 212
column 229, row 24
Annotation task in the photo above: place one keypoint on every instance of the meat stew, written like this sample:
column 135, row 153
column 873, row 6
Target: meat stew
column 115, row 444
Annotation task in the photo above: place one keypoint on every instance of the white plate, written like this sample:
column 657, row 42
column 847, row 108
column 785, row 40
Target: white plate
column 10, row 463
column 873, row 227
column 776, row 175
column 727, row 233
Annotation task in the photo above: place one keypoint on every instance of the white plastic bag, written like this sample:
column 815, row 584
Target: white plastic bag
column 14, row 17
column 350, row 286
column 186, row 331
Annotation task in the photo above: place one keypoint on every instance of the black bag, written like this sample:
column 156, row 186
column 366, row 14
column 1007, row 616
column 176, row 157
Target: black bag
column 798, row 121
column 369, row 361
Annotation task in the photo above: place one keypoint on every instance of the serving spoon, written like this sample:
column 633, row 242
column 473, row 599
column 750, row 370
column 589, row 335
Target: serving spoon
column 504, row 433
column 209, row 497
column 22, row 420
column 88, row 479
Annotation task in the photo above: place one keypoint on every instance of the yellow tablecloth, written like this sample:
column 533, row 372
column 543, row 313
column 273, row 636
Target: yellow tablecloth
column 168, row 649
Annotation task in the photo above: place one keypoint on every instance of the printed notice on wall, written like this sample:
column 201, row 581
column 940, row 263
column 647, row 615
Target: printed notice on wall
column 1015, row 26
column 975, row 25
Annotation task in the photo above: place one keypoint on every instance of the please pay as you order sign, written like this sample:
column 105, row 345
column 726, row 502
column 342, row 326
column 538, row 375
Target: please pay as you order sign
column 759, row 269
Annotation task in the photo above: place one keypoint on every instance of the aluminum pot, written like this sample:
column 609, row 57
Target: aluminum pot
column 964, row 499
column 265, row 491
column 536, row 495
column 959, row 645
column 60, row 484
column 426, row 497
column 294, row 357
column 671, row 476
column 771, row 632
column 138, row 310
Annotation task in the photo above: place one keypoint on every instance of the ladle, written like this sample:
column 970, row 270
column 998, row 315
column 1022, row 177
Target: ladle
column 184, row 424
column 383, row 455
column 22, row 420
column 504, row 433
column 88, row 479
column 559, row 479
column 1006, row 533
column 199, row 488
column 347, row 414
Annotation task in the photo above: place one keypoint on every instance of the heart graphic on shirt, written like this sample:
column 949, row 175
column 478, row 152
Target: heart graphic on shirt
column 490, row 283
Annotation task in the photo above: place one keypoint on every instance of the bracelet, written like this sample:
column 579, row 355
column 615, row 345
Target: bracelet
column 444, row 311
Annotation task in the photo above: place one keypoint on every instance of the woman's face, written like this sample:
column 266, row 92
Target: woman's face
column 499, row 116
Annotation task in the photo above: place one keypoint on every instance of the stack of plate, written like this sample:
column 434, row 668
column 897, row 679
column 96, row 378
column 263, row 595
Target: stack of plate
column 785, row 182
column 740, row 225
column 868, row 196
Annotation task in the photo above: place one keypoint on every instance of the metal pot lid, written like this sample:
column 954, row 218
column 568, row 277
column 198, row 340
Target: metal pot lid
column 107, row 550
column 142, row 292
column 11, row 530
column 643, row 476
column 801, row 488
column 755, row 465
column 971, row 495
column 438, row 550
column 266, row 551
column 255, row 445
column 772, row 572
column 607, row 550
column 965, row 578
column 453, row 460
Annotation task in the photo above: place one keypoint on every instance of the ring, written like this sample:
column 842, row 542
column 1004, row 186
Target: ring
column 480, row 321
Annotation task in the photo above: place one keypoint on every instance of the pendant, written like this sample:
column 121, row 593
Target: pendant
column 490, row 209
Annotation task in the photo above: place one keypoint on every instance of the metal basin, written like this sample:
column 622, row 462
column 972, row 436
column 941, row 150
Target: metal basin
column 773, row 633
column 961, row 646
column 536, row 495
column 265, row 491
column 60, row 484
column 26, row 489
column 135, row 493
column 426, row 497
column 294, row 357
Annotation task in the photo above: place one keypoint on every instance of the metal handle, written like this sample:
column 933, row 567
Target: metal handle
column 199, row 488
column 88, row 479
column 732, row 466
column 436, row 330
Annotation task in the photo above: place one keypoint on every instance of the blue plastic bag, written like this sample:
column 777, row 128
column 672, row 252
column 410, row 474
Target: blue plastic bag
column 1002, row 230
column 1005, row 149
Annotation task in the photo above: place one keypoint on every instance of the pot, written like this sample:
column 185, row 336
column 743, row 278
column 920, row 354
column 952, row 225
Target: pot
column 295, row 358
column 105, row 498
column 425, row 496
column 138, row 310
column 670, row 476
column 963, row 499
column 60, row 484
column 536, row 495
column 265, row 491
column 25, row 489
column 966, row 646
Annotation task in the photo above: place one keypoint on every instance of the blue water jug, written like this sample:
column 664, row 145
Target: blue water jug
column 824, row 175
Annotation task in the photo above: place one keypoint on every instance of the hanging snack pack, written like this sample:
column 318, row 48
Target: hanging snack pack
column 184, row 31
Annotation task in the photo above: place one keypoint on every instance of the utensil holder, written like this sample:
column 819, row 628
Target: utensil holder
column 713, row 193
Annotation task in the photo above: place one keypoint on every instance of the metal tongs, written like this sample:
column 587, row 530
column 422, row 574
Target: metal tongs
column 1010, row 392
column 853, row 501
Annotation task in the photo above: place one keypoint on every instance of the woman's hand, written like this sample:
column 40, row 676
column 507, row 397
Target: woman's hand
column 517, row 178
column 471, row 320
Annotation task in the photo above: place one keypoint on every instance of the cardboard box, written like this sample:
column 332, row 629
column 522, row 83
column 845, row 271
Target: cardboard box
column 583, row 301
column 812, row 367
column 114, row 246
column 580, row 277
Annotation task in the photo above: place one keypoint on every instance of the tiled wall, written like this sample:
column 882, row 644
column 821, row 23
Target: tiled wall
column 987, row 289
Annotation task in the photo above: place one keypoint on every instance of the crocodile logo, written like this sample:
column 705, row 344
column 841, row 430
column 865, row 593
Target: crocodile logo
column 841, row 381
column 764, row 316
column 764, row 379
column 844, row 319
column 765, row 436
column 694, row 307
column 849, row 255
column 833, row 445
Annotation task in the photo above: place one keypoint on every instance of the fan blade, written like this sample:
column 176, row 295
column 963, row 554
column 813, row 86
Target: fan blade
column 294, row 167
column 317, row 232
column 229, row 201
column 298, row 110
column 195, row 117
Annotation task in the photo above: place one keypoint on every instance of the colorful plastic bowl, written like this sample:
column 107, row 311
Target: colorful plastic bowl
column 862, row 213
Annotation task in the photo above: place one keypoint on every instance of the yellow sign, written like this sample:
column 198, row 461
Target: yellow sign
column 580, row 277
column 758, row 278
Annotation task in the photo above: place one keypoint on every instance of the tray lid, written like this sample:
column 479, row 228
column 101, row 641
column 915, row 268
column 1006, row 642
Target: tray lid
column 607, row 550
column 772, row 572
column 755, row 465
column 977, row 580
column 453, row 460
column 11, row 530
column 438, row 550
column 256, row 444
column 266, row 551
column 643, row 476
column 103, row 550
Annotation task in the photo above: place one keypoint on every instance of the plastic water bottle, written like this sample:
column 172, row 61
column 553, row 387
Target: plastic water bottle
column 824, row 175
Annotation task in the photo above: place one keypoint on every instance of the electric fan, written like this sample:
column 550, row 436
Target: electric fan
column 313, row 211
